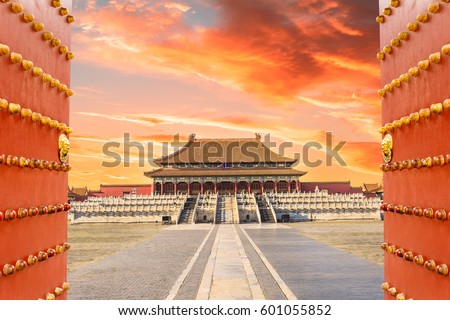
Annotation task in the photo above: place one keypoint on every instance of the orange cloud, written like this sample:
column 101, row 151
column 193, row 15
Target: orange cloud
column 265, row 48
column 364, row 155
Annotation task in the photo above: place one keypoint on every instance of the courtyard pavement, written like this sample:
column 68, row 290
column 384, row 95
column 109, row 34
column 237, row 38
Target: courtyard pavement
column 227, row 262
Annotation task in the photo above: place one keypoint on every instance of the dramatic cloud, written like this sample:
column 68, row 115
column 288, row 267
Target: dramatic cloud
column 273, row 49
column 226, row 68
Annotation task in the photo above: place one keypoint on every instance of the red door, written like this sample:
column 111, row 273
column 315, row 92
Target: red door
column 415, row 78
column 34, row 188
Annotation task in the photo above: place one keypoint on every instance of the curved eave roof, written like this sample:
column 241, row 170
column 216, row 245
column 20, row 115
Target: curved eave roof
column 223, row 151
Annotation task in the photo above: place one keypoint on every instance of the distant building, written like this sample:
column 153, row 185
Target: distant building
column 120, row 190
column 373, row 190
column 78, row 194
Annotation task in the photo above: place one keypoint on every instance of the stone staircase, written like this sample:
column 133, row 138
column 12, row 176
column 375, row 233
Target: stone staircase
column 227, row 211
column 264, row 210
column 187, row 214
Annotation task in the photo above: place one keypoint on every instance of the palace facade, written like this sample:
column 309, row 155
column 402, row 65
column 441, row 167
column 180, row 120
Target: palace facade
column 224, row 166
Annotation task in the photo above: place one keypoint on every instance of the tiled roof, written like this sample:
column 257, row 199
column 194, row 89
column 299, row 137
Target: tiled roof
column 372, row 187
column 80, row 191
column 223, row 151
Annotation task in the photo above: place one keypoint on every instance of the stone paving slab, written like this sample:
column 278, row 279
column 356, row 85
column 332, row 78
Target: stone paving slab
column 145, row 271
column 228, row 274
column 189, row 288
column 186, row 227
column 313, row 270
column 269, row 286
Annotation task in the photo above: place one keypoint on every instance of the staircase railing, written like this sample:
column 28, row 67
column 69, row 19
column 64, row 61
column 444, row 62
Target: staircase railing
column 237, row 209
column 215, row 210
column 181, row 209
column 194, row 213
column 258, row 213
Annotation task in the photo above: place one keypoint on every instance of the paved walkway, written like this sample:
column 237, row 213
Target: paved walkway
column 229, row 274
column 313, row 270
column 145, row 271
column 225, row 262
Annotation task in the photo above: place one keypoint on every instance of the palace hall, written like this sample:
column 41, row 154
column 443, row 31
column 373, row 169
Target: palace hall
column 224, row 166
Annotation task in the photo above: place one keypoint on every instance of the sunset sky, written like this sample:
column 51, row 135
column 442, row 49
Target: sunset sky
column 224, row 69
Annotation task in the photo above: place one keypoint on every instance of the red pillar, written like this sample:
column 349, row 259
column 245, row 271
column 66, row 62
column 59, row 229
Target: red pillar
column 262, row 187
column 275, row 184
column 189, row 188
column 174, row 188
column 235, row 188
column 201, row 187
column 248, row 186
column 215, row 187
column 289, row 186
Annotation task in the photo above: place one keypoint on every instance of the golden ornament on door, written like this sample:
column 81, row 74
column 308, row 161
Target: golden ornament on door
column 28, row 17
column 64, row 148
column 413, row 26
column 386, row 147
column 4, row 49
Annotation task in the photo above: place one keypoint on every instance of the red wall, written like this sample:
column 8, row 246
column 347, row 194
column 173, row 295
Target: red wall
column 417, row 187
column 118, row 190
column 332, row 187
column 26, row 187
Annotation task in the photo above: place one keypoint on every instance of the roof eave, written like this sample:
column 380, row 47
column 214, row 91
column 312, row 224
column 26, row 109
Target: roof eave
column 160, row 161
column 154, row 173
